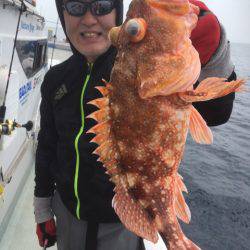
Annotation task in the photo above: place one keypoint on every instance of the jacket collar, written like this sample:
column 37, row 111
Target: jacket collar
column 82, row 61
column 78, row 68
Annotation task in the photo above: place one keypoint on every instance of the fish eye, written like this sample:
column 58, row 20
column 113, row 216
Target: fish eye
column 136, row 29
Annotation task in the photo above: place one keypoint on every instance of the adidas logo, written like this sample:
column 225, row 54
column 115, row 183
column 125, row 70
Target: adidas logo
column 60, row 92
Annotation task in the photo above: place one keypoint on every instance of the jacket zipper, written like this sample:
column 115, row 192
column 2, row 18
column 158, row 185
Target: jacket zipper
column 77, row 141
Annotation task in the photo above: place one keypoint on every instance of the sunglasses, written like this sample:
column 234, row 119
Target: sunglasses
column 97, row 8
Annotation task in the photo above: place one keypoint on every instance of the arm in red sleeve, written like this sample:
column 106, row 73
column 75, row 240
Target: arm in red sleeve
column 207, row 40
column 206, row 35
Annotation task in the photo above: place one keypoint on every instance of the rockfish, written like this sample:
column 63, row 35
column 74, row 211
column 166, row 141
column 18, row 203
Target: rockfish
column 146, row 112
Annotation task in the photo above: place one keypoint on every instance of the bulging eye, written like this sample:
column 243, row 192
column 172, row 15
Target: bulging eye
column 136, row 29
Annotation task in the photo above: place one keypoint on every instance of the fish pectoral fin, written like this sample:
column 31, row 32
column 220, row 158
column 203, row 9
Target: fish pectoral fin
column 134, row 216
column 181, row 208
column 212, row 88
column 198, row 128
column 181, row 183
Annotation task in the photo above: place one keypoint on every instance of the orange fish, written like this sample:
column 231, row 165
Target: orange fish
column 146, row 113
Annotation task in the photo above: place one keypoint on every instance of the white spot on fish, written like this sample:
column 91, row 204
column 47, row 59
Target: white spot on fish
column 140, row 153
column 175, row 237
column 169, row 158
column 132, row 179
column 155, row 140
column 168, row 154
column 180, row 115
column 179, row 243
column 154, row 169
column 146, row 188
column 162, row 127
column 116, row 109
column 157, row 183
column 167, row 184
column 144, row 203
column 121, row 146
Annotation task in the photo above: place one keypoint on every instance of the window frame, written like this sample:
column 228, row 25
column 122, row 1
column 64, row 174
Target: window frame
column 40, row 58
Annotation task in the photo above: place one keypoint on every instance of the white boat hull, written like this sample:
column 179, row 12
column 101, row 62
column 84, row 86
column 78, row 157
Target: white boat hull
column 17, row 151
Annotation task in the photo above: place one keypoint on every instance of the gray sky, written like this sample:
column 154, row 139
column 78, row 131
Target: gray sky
column 233, row 14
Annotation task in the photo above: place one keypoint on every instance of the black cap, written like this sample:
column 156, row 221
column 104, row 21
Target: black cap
column 119, row 11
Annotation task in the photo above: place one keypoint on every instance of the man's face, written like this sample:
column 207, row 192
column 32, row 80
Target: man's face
column 89, row 33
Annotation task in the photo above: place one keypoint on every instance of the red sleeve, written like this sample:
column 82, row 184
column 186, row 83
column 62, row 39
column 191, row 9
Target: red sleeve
column 206, row 35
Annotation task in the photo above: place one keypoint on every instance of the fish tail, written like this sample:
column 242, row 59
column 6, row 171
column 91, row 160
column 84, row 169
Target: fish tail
column 212, row 88
column 182, row 243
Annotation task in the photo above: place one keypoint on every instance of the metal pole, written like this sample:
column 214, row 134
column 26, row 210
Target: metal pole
column 53, row 49
column 3, row 108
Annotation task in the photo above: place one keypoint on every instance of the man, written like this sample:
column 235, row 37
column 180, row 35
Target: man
column 70, row 183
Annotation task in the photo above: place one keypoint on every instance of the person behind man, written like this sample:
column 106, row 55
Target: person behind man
column 69, row 181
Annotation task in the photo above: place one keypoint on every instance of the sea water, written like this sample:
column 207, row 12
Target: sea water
column 218, row 175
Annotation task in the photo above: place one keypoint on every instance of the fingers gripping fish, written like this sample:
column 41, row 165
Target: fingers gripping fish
column 145, row 115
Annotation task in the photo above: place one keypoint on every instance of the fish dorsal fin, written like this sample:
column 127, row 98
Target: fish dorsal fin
column 199, row 130
column 106, row 147
column 133, row 215
column 180, row 206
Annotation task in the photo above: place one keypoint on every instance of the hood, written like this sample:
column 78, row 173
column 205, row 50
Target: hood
column 119, row 18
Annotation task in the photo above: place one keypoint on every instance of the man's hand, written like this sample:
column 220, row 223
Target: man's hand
column 46, row 232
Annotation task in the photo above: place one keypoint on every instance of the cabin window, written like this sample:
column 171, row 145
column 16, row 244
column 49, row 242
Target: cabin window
column 32, row 55
column 40, row 56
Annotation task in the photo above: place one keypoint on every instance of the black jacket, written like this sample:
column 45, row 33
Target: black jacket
column 60, row 140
